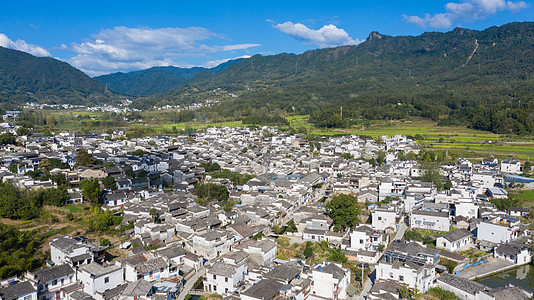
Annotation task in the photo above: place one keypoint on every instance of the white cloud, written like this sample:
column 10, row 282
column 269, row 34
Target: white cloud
column 214, row 63
column 468, row 10
column 327, row 36
column 126, row 49
column 21, row 45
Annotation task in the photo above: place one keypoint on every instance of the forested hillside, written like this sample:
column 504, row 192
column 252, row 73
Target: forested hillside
column 483, row 79
column 154, row 80
column 24, row 77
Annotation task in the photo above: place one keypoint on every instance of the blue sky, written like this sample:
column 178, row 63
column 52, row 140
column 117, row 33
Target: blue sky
column 102, row 37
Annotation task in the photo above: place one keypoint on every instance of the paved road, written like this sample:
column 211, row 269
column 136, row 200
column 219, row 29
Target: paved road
column 368, row 284
column 189, row 284
column 401, row 229
column 492, row 266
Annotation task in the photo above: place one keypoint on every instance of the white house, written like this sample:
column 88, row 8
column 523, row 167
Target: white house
column 330, row 281
column 19, row 291
column 223, row 278
column 499, row 230
column 464, row 289
column 75, row 251
column 410, row 264
column 430, row 220
column 414, row 275
column 212, row 244
column 513, row 254
column 456, row 240
column 262, row 252
column 511, row 166
column 97, row 278
column 144, row 266
column 50, row 281
column 384, row 218
column 365, row 238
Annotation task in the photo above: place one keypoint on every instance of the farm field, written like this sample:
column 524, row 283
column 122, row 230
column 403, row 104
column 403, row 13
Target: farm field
column 467, row 142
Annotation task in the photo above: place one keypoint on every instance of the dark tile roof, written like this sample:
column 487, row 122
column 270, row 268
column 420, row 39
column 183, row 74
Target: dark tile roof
column 264, row 289
column 456, row 235
column 463, row 284
column 285, row 272
column 47, row 274
column 17, row 290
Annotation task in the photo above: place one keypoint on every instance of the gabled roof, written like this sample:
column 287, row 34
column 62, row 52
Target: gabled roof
column 456, row 235
column 264, row 289
column 55, row 272
column 463, row 284
column 16, row 290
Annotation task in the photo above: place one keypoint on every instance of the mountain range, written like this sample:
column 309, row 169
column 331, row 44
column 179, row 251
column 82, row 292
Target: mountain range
column 24, row 77
column 155, row 80
column 481, row 78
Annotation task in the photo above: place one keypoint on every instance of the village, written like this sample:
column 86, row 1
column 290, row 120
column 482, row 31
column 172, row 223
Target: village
column 412, row 235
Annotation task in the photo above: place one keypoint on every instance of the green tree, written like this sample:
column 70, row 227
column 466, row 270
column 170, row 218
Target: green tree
column 13, row 168
column 109, row 183
column 337, row 256
column 91, row 190
column 431, row 172
column 8, row 138
column 21, row 131
column 308, row 251
column 448, row 184
column 344, row 210
column 84, row 158
column 154, row 214
column 527, row 166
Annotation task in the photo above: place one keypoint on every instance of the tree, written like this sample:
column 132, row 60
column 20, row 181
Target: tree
column 109, row 183
column 7, row 138
column 308, row 251
column 344, row 210
column 84, row 158
column 21, row 131
column 13, row 168
column 431, row 172
column 50, row 121
column 527, row 166
column 337, row 256
column 154, row 214
column 44, row 165
column 448, row 184
column 91, row 190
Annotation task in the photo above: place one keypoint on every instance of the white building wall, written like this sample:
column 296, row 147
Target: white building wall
column 383, row 219
column 494, row 233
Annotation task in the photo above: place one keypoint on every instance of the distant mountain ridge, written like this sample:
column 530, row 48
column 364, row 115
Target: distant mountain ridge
column 24, row 77
column 466, row 76
column 155, row 80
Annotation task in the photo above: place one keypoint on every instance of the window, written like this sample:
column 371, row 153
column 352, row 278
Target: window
column 214, row 288
column 379, row 218
column 106, row 279
column 391, row 275
column 401, row 278
column 214, row 276
column 225, row 279
column 54, row 282
column 361, row 241
column 29, row 297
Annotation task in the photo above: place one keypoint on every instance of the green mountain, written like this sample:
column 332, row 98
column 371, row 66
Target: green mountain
column 480, row 78
column 155, row 80
column 24, row 77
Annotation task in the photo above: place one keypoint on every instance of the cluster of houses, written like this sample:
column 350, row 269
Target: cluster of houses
column 291, row 179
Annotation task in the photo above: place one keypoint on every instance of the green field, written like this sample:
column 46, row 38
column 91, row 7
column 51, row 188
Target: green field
column 463, row 141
